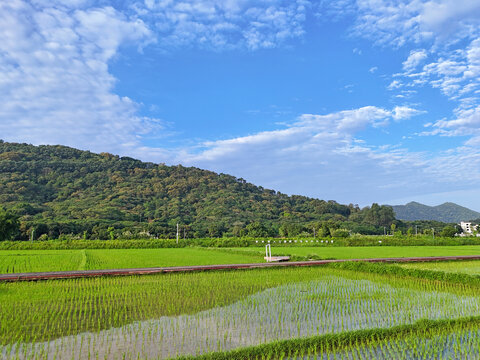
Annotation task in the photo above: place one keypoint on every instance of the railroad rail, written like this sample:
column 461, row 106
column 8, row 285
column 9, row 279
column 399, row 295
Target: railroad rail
column 179, row 269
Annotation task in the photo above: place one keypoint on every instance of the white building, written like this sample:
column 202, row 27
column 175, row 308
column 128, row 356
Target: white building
column 468, row 228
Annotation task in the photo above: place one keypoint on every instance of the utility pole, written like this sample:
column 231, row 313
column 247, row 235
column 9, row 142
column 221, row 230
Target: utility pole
column 177, row 233
column 433, row 233
column 416, row 232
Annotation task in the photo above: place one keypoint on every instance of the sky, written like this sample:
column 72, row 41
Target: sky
column 357, row 101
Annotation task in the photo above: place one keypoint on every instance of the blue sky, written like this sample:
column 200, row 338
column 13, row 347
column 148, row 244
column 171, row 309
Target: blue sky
column 358, row 101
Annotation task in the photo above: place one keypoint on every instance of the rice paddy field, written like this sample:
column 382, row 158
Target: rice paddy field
column 323, row 312
column 462, row 343
column 464, row 267
column 19, row 261
column 369, row 252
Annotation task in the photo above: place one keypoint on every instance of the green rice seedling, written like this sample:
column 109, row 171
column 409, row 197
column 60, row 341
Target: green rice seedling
column 364, row 252
column 73, row 255
column 163, row 316
column 463, row 267
column 24, row 261
column 346, row 303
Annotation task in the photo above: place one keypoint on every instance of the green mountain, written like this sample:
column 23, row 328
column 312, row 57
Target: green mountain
column 61, row 190
column 447, row 212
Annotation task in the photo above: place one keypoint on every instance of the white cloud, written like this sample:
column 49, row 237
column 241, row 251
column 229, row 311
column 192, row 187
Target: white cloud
column 473, row 142
column 399, row 22
column 457, row 75
column 55, row 83
column 54, row 80
column 315, row 154
column 395, row 84
column 220, row 24
column 441, row 23
column 450, row 18
column 308, row 131
column 466, row 122
column 405, row 112
column 448, row 32
column 414, row 59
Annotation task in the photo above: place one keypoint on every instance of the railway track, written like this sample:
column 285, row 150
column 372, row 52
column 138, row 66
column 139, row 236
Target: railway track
column 179, row 269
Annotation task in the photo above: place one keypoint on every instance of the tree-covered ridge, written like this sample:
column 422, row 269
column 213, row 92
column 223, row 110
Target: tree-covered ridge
column 58, row 189
column 446, row 212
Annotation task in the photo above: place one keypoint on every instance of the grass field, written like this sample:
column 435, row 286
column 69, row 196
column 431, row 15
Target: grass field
column 18, row 261
column 465, row 267
column 164, row 316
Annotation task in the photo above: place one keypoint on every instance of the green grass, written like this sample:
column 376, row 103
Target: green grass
column 464, row 267
column 364, row 252
column 18, row 261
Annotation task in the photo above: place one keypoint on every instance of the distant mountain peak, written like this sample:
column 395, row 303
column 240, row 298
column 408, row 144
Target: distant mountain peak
column 447, row 212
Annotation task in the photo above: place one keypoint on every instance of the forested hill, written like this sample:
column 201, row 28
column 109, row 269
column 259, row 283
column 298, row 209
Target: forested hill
column 57, row 189
column 447, row 212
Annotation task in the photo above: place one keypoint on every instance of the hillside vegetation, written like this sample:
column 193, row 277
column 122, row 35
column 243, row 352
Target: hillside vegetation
column 60, row 190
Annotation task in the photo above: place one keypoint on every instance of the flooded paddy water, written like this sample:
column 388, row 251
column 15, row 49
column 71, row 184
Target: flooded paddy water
column 331, row 304
column 463, row 345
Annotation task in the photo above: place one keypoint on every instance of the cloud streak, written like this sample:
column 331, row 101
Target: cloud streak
column 317, row 153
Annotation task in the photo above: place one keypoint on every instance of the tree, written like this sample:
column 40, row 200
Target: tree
column 99, row 232
column 290, row 229
column 340, row 233
column 392, row 227
column 325, row 230
column 257, row 230
column 9, row 225
column 215, row 230
column 111, row 232
column 378, row 215
column 448, row 231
